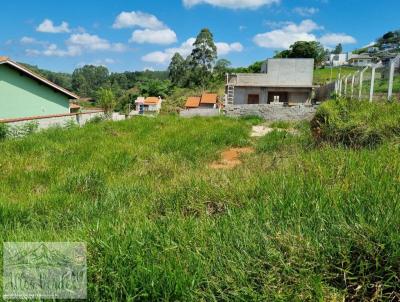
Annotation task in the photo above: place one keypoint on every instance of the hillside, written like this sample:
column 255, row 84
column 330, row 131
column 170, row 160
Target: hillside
column 295, row 220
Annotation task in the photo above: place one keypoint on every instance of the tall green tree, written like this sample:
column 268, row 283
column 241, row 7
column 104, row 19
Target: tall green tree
column 222, row 66
column 202, row 58
column 305, row 49
column 86, row 81
column 177, row 70
column 338, row 49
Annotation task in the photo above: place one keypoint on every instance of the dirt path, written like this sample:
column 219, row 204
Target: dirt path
column 231, row 158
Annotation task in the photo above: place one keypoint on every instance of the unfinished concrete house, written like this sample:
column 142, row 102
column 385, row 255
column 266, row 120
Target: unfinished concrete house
column 282, row 91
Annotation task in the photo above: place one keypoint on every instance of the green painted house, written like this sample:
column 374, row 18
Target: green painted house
column 26, row 94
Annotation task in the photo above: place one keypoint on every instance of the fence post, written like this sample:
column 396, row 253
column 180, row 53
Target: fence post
column 340, row 87
column 371, row 90
column 391, row 76
column 353, row 79
column 346, row 79
column 361, row 83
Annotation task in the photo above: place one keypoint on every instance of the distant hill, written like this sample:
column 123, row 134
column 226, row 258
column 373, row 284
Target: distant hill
column 389, row 41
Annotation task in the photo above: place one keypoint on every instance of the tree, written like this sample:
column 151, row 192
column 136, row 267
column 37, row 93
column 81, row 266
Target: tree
column 202, row 58
column 86, row 81
column 283, row 54
column 154, row 88
column 177, row 70
column 304, row 49
column 221, row 68
column 106, row 100
column 255, row 67
column 338, row 49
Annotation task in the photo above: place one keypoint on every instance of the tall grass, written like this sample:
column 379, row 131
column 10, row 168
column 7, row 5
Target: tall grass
column 356, row 123
column 293, row 223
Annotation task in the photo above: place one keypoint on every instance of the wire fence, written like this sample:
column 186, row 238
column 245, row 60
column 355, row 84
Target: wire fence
column 373, row 83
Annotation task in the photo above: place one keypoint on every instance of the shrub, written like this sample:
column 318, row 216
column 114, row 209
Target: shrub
column 3, row 131
column 23, row 130
column 356, row 124
column 96, row 120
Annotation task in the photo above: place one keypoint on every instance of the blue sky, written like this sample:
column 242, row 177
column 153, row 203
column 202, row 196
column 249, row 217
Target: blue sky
column 139, row 34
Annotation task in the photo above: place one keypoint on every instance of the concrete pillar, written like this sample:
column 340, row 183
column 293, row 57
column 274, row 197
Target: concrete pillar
column 371, row 91
column 361, row 83
column 353, row 78
column 391, row 76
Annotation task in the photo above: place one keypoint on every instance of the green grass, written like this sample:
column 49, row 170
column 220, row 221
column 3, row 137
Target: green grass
column 294, row 222
column 324, row 75
column 357, row 123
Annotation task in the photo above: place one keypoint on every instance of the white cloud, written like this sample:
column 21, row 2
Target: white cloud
column 53, row 51
column 287, row 35
column 334, row 39
column 159, row 57
column 305, row 11
column 225, row 48
column 234, row 4
column 137, row 19
column 290, row 33
column 162, row 36
column 93, row 43
column 47, row 26
column 101, row 62
column 77, row 44
column 163, row 57
column 28, row 40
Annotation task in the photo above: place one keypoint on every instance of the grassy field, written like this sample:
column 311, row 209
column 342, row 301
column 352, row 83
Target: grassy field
column 324, row 75
column 294, row 222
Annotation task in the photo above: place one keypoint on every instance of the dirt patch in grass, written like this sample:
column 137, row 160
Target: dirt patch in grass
column 260, row 131
column 231, row 158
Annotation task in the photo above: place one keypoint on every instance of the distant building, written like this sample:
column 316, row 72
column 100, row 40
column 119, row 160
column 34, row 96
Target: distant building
column 338, row 59
column 207, row 100
column 148, row 105
column 193, row 102
column 389, row 46
column 283, row 81
column 386, row 61
column 360, row 60
column 25, row 94
column 373, row 49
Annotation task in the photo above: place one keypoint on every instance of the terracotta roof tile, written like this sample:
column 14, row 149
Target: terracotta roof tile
column 74, row 106
column 193, row 102
column 151, row 100
column 209, row 98
column 2, row 58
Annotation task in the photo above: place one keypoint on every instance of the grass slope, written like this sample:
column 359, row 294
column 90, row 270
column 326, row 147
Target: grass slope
column 293, row 223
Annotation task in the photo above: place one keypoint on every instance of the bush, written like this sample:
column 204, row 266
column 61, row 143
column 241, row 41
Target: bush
column 356, row 124
column 23, row 130
column 96, row 120
column 3, row 131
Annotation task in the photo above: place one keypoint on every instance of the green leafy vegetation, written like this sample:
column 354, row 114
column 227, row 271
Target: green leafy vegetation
column 302, row 49
column 327, row 74
column 294, row 222
column 356, row 123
